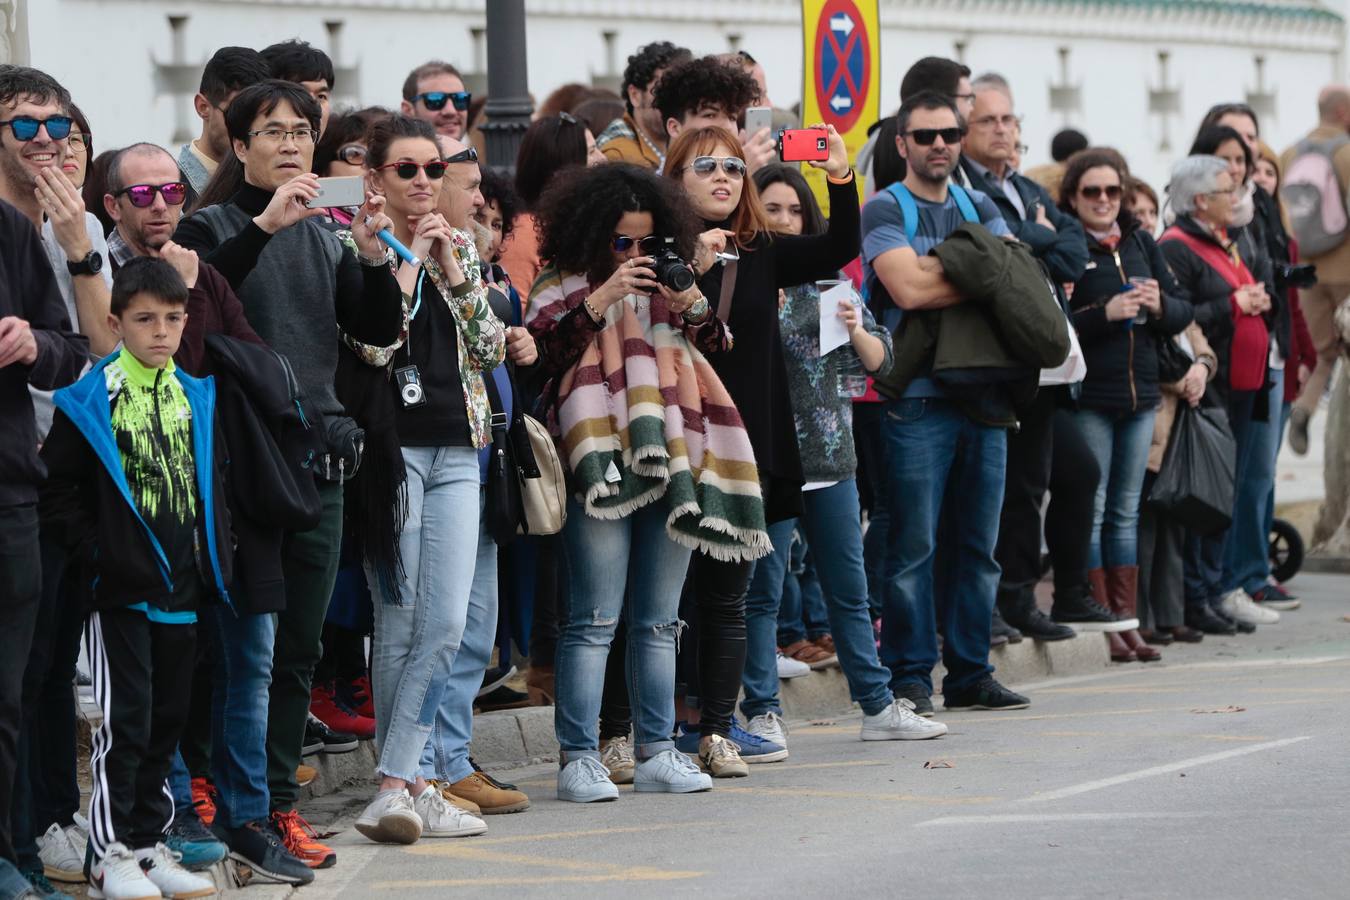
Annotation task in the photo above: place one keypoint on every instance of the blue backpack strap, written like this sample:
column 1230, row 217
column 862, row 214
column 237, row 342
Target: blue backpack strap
column 964, row 203
column 908, row 209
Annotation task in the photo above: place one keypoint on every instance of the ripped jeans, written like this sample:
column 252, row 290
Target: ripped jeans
column 625, row 565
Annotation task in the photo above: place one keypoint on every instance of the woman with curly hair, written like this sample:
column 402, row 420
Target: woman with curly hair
column 658, row 460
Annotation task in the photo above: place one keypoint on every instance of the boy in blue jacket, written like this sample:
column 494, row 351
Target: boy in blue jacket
column 135, row 492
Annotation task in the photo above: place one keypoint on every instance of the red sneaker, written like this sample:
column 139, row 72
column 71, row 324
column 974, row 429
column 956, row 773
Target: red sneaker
column 359, row 696
column 302, row 841
column 204, row 800
column 330, row 709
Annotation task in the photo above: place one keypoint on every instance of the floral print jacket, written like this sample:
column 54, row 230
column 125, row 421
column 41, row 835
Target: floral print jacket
column 482, row 336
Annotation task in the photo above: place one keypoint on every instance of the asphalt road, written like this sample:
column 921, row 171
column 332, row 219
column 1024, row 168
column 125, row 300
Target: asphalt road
column 1220, row 773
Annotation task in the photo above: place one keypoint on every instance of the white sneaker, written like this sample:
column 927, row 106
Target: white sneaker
column 586, row 780
column 62, row 853
column 898, row 722
column 391, row 819
column 441, row 818
column 164, row 869
column 769, row 726
column 118, row 876
column 670, row 772
column 791, row 668
column 1237, row 605
column 617, row 755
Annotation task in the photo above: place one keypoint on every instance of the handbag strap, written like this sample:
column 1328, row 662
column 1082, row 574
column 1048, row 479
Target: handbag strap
column 728, row 288
column 499, row 420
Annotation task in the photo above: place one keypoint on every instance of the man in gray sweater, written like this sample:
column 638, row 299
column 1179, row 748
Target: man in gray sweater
column 299, row 283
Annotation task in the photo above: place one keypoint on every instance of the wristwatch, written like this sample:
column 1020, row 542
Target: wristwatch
column 92, row 264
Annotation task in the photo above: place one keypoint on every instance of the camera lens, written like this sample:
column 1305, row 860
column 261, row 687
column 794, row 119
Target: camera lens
column 412, row 393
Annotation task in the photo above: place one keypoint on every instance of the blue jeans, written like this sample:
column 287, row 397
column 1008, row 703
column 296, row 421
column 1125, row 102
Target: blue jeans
column 446, row 756
column 239, row 702
column 180, row 783
column 1246, row 557
column 1120, row 442
column 418, row 628
column 627, row 566
column 933, row 452
column 802, row 614
column 832, row 521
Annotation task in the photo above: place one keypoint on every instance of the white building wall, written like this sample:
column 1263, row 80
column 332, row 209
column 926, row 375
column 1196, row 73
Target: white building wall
column 104, row 51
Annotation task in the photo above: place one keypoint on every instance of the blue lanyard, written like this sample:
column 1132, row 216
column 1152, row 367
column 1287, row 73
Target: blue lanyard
column 418, row 294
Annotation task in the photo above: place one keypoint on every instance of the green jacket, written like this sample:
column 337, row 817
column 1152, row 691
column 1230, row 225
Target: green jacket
column 986, row 352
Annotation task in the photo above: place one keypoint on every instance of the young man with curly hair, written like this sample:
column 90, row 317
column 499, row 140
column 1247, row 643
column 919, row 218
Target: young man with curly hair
column 712, row 92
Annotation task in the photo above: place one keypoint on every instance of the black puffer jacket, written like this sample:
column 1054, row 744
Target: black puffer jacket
column 1122, row 359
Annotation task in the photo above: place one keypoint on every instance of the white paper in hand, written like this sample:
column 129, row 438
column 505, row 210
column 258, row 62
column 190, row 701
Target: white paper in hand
column 833, row 333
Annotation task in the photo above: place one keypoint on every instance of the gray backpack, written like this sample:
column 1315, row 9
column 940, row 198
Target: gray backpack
column 1312, row 195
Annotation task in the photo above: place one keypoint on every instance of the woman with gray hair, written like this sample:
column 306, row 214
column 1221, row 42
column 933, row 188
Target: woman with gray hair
column 1226, row 283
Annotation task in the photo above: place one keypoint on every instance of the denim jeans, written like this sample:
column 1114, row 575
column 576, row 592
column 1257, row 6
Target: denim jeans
column 802, row 614
column 446, row 756
column 1203, row 571
column 935, row 452
column 180, row 783
column 1121, row 442
column 871, row 449
column 418, row 632
column 626, row 565
column 832, row 522
column 1246, row 556
column 239, row 703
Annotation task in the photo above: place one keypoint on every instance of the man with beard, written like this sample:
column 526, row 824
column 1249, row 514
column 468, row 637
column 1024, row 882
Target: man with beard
column 227, row 72
column 639, row 136
column 434, row 92
column 934, row 449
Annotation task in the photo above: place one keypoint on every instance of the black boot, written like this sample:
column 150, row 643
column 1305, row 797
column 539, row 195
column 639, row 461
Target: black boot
column 1202, row 618
column 1019, row 610
column 1001, row 629
column 1078, row 607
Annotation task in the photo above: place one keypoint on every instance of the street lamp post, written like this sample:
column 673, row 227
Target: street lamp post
column 508, row 105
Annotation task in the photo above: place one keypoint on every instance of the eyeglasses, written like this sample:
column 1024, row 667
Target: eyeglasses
column 277, row 135
column 704, row 166
column 468, row 154
column 408, row 170
column 81, row 141
column 25, row 128
column 926, row 137
column 969, row 98
column 352, row 154
column 436, row 100
column 1095, row 191
column 1008, row 121
column 143, row 195
column 622, row 243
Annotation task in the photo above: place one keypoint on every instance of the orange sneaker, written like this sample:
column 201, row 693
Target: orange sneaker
column 302, row 841
column 204, row 800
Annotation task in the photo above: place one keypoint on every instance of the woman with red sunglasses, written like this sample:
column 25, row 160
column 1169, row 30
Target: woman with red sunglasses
column 1125, row 303
column 442, row 420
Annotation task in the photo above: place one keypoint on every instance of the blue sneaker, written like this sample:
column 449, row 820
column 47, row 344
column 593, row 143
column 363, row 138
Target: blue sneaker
column 190, row 838
column 686, row 741
column 755, row 749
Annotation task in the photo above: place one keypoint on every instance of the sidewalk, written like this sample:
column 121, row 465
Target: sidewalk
column 1298, row 479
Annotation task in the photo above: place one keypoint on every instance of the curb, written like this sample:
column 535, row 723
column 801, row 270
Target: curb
column 1335, row 565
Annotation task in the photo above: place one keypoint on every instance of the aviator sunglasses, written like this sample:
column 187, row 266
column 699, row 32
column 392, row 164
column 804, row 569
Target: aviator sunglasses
column 408, row 170
column 436, row 100
column 143, row 195
column 25, row 128
column 703, row 166
column 1095, row 191
column 650, row 244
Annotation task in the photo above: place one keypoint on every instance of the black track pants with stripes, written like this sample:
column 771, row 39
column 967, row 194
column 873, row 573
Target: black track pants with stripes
column 142, row 673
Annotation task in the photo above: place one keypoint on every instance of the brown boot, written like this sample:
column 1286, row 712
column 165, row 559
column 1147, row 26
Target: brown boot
column 490, row 798
column 1122, row 588
column 1120, row 651
column 539, row 685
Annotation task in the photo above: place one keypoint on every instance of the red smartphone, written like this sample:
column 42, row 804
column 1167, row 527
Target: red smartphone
column 804, row 145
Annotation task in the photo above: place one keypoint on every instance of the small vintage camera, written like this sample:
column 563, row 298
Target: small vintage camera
column 410, row 390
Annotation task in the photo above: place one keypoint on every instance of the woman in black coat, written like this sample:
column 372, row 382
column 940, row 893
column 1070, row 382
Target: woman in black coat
column 1122, row 305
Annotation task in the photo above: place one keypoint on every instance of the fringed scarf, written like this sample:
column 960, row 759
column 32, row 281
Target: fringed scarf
column 642, row 417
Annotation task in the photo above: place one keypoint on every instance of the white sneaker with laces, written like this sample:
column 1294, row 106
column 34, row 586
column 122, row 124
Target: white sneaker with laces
column 670, row 772
column 62, row 853
column 769, row 726
column 164, row 869
column 441, row 818
column 585, row 780
column 791, row 668
column 898, row 722
column 118, row 876
column 391, row 819
column 1237, row 605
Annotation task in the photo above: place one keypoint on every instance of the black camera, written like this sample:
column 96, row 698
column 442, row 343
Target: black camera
column 670, row 270
column 410, row 390
column 1301, row 276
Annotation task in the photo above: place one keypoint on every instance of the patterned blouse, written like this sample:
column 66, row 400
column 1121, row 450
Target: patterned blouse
column 482, row 336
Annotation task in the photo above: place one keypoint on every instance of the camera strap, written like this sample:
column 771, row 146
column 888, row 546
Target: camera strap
column 728, row 288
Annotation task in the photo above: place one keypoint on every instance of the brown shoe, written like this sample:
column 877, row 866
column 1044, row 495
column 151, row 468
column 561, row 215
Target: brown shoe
column 305, row 774
column 826, row 643
column 466, row 805
column 539, row 684
column 491, row 800
column 1122, row 589
column 809, row 653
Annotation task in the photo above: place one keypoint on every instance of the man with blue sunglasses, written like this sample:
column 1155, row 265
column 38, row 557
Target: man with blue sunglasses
column 434, row 92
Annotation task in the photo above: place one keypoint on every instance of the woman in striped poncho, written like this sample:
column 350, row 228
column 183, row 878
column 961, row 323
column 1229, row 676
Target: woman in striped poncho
column 658, row 460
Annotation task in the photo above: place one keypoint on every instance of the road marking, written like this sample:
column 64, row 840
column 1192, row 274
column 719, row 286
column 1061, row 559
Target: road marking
column 525, row 880
column 1053, row 683
column 1191, row 763
column 585, row 870
column 855, row 795
column 1053, row 817
column 436, row 849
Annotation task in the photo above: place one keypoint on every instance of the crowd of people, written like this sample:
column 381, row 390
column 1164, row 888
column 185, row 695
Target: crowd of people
column 297, row 473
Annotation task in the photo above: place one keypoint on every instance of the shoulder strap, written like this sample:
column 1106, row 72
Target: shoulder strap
column 728, row 288
column 909, row 210
column 964, row 203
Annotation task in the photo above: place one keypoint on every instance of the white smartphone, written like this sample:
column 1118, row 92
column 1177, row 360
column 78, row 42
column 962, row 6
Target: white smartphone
column 345, row 190
column 757, row 118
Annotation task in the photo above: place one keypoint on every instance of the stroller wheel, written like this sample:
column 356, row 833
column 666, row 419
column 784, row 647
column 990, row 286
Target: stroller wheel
column 1286, row 550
